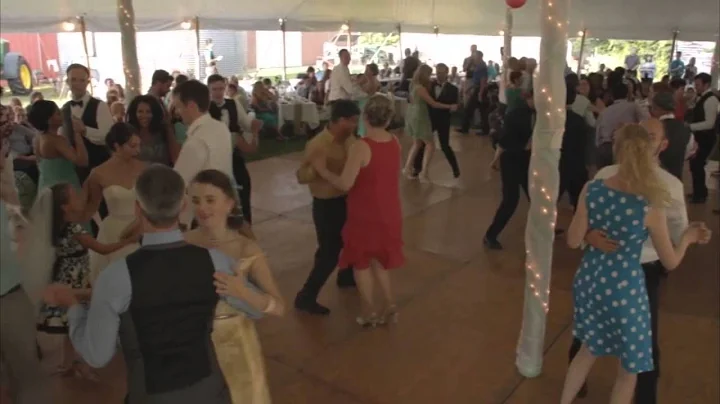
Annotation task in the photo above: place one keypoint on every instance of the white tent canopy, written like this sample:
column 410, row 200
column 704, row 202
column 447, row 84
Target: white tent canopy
column 696, row 20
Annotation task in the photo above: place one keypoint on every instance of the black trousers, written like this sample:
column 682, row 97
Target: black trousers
column 444, row 140
column 329, row 217
column 28, row 167
column 604, row 155
column 572, row 179
column 83, row 173
column 514, row 175
column 705, row 142
column 242, row 177
column 469, row 113
column 646, row 388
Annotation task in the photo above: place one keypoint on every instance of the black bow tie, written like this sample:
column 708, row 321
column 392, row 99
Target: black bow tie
column 76, row 103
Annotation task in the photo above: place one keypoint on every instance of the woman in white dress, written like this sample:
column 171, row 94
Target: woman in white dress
column 114, row 180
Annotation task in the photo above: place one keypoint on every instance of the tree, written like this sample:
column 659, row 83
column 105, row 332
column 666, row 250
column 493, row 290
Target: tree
column 618, row 49
column 377, row 39
column 131, row 67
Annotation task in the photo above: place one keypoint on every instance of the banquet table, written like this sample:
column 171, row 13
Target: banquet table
column 298, row 111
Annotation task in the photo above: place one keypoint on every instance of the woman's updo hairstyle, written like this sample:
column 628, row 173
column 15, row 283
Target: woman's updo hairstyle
column 40, row 113
column 219, row 180
column 379, row 110
column 119, row 134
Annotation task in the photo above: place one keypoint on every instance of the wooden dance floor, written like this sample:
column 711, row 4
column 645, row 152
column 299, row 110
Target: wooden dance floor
column 460, row 306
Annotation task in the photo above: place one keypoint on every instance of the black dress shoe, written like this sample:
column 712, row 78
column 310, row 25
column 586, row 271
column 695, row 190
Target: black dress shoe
column 310, row 306
column 492, row 243
column 696, row 200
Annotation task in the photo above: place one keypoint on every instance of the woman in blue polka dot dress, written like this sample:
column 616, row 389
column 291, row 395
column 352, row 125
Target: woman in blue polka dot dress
column 611, row 314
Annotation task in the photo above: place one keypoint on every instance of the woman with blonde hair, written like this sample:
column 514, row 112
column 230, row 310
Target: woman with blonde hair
column 372, row 235
column 611, row 315
column 417, row 120
column 264, row 103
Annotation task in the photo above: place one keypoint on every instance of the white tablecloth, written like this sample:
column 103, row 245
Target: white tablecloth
column 308, row 113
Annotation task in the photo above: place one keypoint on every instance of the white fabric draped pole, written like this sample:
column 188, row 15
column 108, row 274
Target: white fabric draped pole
column 549, row 90
column 131, row 67
column 507, row 40
column 284, row 48
column 715, row 68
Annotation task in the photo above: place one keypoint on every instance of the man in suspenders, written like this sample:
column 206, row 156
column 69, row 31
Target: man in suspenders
column 92, row 117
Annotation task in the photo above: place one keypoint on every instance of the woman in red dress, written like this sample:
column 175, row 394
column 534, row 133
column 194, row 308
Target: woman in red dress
column 372, row 235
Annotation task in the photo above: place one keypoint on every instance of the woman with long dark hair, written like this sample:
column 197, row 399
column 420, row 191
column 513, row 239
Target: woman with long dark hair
column 146, row 115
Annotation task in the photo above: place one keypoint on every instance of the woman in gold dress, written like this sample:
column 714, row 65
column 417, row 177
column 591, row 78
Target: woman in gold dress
column 217, row 212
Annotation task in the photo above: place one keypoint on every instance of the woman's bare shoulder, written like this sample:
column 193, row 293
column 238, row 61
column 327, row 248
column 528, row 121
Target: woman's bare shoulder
column 194, row 237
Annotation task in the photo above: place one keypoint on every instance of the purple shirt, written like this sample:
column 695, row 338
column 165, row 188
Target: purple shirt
column 621, row 112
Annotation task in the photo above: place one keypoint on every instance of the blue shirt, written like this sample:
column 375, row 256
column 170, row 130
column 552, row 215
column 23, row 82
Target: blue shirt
column 480, row 73
column 94, row 331
column 677, row 68
column 9, row 266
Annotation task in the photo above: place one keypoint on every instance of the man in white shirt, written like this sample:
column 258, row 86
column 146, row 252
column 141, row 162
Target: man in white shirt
column 342, row 86
column 91, row 116
column 703, row 125
column 677, row 220
column 233, row 115
column 209, row 142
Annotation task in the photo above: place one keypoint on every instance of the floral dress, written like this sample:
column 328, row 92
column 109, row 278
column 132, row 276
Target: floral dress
column 72, row 267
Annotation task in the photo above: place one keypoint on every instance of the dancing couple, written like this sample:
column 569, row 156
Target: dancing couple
column 185, row 325
column 365, row 232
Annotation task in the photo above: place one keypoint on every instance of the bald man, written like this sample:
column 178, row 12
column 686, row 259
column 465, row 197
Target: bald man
column 646, row 388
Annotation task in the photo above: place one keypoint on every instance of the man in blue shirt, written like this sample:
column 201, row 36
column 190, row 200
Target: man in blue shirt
column 161, row 300
column 677, row 67
column 478, row 97
column 18, row 337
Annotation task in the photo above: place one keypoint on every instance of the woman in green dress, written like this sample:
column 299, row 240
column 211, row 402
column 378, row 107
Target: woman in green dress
column 57, row 157
column 370, row 85
column 417, row 120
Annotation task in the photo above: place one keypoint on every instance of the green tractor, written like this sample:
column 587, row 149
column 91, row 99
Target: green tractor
column 15, row 69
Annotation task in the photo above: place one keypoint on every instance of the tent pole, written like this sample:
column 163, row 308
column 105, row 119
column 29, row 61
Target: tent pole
column 349, row 41
column 715, row 67
column 400, row 53
column 582, row 50
column 507, row 42
column 198, row 58
column 83, row 32
column 131, row 67
column 549, row 90
column 284, row 49
column 672, row 49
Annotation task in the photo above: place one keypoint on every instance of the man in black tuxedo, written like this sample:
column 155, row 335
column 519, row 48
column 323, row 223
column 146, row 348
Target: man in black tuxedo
column 445, row 93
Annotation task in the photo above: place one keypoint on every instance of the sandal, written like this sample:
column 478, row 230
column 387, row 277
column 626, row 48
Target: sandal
column 370, row 321
column 390, row 315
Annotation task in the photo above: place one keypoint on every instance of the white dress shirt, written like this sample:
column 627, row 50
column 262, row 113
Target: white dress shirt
column 104, row 120
column 341, row 84
column 581, row 106
column 244, row 120
column 677, row 219
column 711, row 107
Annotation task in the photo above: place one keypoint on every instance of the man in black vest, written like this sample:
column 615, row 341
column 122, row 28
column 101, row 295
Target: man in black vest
column 445, row 93
column 679, row 138
column 92, row 117
column 232, row 114
column 161, row 301
column 703, row 126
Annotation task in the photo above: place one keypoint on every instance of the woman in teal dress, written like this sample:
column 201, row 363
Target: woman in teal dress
column 57, row 157
column 265, row 105
column 417, row 120
column 370, row 85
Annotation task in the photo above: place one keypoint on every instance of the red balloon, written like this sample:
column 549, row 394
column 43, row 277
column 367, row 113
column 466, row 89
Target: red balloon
column 515, row 3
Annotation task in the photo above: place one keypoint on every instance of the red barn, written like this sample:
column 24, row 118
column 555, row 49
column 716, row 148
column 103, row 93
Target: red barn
column 37, row 49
